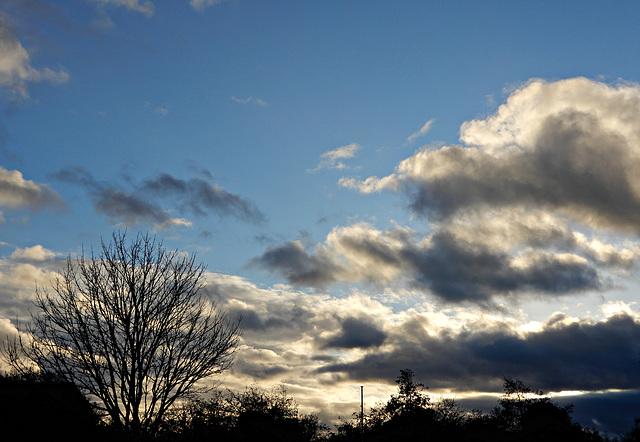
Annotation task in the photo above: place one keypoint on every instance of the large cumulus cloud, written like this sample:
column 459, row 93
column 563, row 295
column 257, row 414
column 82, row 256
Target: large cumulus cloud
column 543, row 197
column 571, row 146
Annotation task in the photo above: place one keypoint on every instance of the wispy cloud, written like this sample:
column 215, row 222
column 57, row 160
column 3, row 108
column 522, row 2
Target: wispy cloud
column 144, row 7
column 423, row 131
column 250, row 100
column 146, row 202
column 332, row 159
column 164, row 111
column 200, row 5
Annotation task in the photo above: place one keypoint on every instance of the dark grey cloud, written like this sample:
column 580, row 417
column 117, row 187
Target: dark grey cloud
column 202, row 197
column 126, row 208
column 444, row 263
column 455, row 271
column 297, row 265
column 562, row 356
column 356, row 333
column 148, row 201
column 611, row 412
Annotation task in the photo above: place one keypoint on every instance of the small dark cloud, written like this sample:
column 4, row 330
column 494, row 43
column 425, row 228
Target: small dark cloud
column 117, row 204
column 297, row 265
column 250, row 319
column 611, row 412
column 357, row 333
column 455, row 271
column 146, row 202
column 202, row 197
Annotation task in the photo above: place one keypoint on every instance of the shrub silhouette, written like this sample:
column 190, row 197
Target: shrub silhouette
column 252, row 415
column 37, row 407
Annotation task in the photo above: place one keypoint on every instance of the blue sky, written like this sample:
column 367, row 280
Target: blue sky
column 424, row 185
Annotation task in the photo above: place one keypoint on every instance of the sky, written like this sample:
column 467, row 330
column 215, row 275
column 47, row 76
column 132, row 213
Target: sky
column 450, row 187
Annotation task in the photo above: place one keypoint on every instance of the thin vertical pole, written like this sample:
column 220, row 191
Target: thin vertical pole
column 362, row 412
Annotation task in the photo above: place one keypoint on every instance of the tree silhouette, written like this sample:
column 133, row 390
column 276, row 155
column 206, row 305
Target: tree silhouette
column 522, row 414
column 130, row 328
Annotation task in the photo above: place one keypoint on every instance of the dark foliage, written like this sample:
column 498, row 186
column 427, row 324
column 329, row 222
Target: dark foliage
column 522, row 414
column 37, row 407
column 253, row 415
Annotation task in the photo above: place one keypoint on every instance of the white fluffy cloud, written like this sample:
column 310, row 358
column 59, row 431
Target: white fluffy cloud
column 570, row 146
column 16, row 71
column 35, row 253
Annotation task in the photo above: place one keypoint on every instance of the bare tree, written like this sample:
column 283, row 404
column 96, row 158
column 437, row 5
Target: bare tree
column 130, row 328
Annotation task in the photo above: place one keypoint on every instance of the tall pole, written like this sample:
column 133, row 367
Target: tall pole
column 362, row 412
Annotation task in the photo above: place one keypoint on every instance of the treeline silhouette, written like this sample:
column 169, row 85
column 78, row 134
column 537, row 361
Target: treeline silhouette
column 41, row 406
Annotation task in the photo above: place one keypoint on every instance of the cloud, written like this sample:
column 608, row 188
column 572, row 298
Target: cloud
column 202, row 197
column 423, row 131
column 568, row 146
column 35, row 253
column 456, row 263
column 331, row 159
column 16, row 71
column 145, row 202
column 312, row 339
column 542, row 198
column 298, row 266
column 574, row 355
column 16, row 192
column 200, row 5
column 19, row 276
column 257, row 101
column 357, row 333
column 144, row 7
